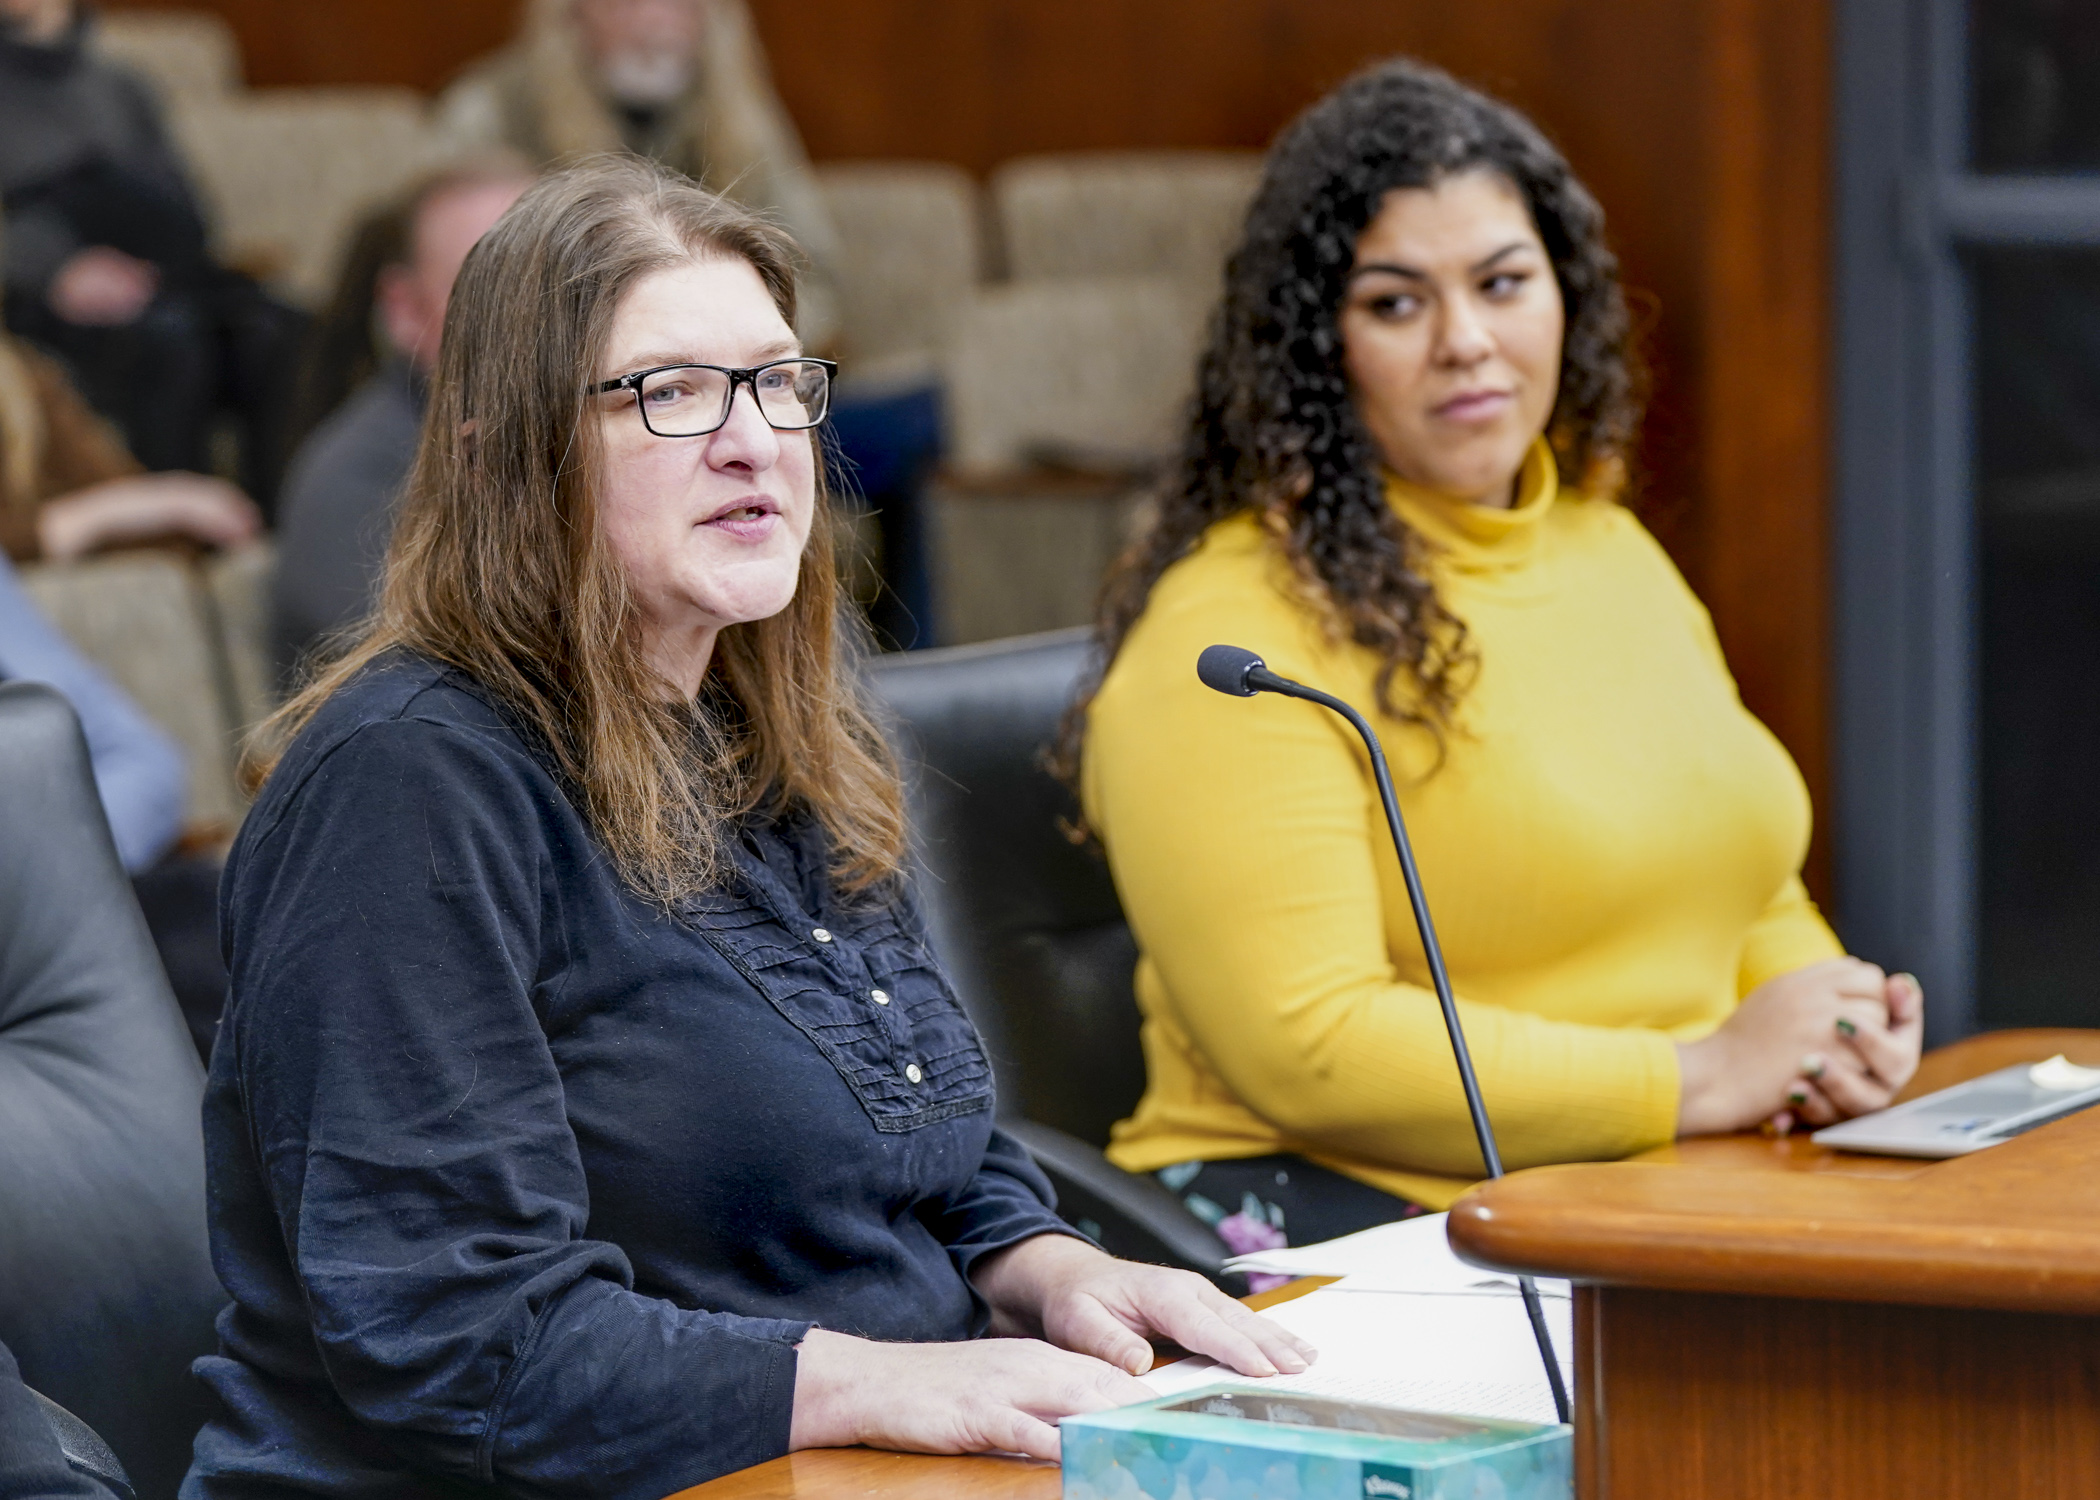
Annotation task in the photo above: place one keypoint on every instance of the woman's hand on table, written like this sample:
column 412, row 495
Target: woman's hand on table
column 1064, row 1290
column 1821, row 1044
column 997, row 1395
column 1006, row 1394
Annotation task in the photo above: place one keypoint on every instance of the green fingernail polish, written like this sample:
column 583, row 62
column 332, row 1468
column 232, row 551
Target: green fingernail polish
column 1797, row 1096
column 1846, row 1028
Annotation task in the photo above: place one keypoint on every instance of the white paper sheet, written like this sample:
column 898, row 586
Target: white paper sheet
column 1412, row 1255
column 1466, row 1355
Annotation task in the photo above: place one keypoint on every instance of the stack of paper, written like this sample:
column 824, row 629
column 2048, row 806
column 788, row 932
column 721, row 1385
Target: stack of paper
column 1410, row 1325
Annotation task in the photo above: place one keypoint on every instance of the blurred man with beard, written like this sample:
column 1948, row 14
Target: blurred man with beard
column 682, row 81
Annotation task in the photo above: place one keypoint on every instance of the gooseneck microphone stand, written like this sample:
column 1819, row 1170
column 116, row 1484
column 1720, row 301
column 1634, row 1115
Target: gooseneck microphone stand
column 1236, row 671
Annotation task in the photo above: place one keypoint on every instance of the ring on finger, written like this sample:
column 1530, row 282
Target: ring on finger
column 1813, row 1065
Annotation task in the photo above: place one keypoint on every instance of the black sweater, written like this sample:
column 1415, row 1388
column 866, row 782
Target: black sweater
column 516, row 1180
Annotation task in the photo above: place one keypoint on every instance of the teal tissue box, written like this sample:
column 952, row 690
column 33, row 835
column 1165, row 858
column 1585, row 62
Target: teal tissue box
column 1228, row 1442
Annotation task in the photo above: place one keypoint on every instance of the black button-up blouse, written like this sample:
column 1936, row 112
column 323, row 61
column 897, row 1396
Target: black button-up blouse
column 518, row 1182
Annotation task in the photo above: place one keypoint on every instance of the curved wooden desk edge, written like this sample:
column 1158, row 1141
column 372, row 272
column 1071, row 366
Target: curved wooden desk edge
column 2014, row 1227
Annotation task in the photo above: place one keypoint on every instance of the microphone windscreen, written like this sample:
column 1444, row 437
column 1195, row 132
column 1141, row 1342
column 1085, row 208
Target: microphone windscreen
column 1225, row 669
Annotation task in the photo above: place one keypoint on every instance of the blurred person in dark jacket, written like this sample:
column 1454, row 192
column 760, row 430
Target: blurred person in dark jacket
column 107, row 264
column 338, row 504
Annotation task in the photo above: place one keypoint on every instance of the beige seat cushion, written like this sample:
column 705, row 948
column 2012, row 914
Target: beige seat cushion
column 1092, row 373
column 143, row 618
column 1022, row 557
column 239, row 586
column 186, row 54
column 909, row 254
column 286, row 173
column 1174, row 213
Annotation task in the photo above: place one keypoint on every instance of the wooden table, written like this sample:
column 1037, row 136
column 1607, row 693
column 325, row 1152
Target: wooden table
column 1766, row 1318
column 1746, row 1333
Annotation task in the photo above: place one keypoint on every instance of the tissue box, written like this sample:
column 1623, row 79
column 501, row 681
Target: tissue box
column 1226, row 1441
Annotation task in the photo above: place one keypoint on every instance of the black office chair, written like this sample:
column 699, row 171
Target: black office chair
column 106, row 1286
column 1029, row 926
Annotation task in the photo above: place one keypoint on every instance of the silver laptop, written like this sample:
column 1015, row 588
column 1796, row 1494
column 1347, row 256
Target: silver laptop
column 1970, row 1116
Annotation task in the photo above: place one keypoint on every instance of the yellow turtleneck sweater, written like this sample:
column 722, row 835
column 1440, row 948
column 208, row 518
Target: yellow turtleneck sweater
column 1610, row 849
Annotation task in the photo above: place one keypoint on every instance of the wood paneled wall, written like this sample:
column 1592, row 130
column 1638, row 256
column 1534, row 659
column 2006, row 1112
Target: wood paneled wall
column 1702, row 125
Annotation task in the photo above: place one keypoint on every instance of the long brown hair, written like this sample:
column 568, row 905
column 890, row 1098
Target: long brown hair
column 499, row 568
column 1274, row 428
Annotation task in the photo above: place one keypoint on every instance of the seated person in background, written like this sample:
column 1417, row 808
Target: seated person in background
column 68, row 487
column 651, row 1143
column 106, row 263
column 338, row 504
column 683, row 82
column 1423, row 332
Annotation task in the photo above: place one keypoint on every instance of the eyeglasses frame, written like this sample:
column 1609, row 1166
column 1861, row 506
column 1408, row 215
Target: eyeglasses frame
column 747, row 375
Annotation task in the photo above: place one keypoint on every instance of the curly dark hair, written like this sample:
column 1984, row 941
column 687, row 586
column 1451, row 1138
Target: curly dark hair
column 1273, row 427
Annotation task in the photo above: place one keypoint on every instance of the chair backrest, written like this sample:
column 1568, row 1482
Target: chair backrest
column 1100, row 213
column 1027, row 921
column 146, row 619
column 186, row 54
column 106, row 1286
column 910, row 253
column 286, row 173
column 1085, row 372
column 1025, row 556
column 238, row 587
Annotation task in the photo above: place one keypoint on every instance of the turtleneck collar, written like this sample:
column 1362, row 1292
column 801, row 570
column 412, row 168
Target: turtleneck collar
column 1482, row 538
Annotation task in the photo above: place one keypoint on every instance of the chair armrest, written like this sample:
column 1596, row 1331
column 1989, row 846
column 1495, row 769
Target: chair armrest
column 1128, row 1215
column 85, row 1452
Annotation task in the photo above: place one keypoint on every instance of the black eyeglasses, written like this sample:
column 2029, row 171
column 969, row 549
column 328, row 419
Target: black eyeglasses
column 693, row 400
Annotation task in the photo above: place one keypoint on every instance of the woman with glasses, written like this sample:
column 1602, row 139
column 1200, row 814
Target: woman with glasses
column 1398, row 486
column 590, row 1115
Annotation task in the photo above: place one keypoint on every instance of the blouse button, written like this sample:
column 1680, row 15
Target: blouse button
column 822, row 935
column 911, row 1071
column 880, row 997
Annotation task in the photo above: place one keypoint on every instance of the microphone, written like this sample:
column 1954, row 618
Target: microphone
column 1238, row 672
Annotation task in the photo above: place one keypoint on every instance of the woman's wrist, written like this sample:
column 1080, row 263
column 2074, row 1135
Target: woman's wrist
column 828, row 1370
column 1017, row 1280
column 1702, row 1108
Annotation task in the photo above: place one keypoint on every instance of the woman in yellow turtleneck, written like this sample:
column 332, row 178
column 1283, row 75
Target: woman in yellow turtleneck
column 1398, row 489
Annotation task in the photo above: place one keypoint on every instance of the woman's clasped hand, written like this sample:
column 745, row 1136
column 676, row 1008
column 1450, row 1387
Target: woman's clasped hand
column 1079, row 1328
column 1821, row 1044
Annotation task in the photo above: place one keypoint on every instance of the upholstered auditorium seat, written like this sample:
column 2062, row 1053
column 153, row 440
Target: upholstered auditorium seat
column 910, row 255
column 1103, row 213
column 148, row 619
column 1080, row 372
column 287, row 173
column 106, row 1285
column 1028, row 924
column 237, row 585
column 190, row 56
